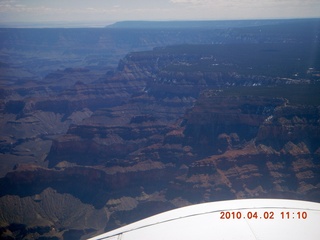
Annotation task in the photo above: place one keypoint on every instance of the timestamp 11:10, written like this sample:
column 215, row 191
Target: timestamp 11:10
column 292, row 215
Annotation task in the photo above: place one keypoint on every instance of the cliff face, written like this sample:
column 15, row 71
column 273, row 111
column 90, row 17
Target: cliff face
column 186, row 70
column 259, row 171
column 85, row 150
column 291, row 124
column 216, row 120
column 120, row 162
column 272, row 150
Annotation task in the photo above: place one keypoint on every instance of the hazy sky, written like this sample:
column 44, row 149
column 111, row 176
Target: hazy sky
column 117, row 10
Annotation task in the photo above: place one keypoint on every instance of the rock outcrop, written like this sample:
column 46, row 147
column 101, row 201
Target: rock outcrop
column 215, row 121
column 91, row 148
column 121, row 162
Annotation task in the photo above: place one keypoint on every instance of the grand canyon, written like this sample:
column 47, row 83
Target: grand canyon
column 103, row 127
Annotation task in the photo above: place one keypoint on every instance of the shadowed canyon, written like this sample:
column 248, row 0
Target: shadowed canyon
column 103, row 127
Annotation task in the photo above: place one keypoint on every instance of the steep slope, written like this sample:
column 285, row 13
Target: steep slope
column 91, row 148
column 280, row 158
column 220, row 149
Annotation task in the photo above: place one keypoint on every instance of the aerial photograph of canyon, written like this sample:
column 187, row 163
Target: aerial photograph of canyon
column 111, row 112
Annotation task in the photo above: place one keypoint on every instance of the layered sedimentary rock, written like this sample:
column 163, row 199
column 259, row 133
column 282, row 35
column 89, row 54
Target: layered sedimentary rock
column 121, row 162
column 214, row 115
column 291, row 124
column 84, row 150
column 277, row 154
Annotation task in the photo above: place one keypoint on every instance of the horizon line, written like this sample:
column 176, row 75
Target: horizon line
column 107, row 23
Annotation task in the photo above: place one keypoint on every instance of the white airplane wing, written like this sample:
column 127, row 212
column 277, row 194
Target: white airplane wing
column 263, row 219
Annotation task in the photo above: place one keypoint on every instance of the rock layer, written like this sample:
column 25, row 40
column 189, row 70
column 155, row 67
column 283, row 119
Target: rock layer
column 88, row 149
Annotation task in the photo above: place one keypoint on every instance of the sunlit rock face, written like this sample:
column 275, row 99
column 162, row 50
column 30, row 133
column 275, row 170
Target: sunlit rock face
column 92, row 147
column 218, row 149
column 220, row 121
column 292, row 124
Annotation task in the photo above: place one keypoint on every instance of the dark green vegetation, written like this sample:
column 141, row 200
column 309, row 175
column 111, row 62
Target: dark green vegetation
column 297, row 94
column 294, row 60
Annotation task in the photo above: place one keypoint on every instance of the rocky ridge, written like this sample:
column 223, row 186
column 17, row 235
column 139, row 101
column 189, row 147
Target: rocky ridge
column 122, row 163
column 167, row 128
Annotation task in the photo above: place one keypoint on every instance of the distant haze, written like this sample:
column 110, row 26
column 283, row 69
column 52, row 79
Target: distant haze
column 96, row 13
